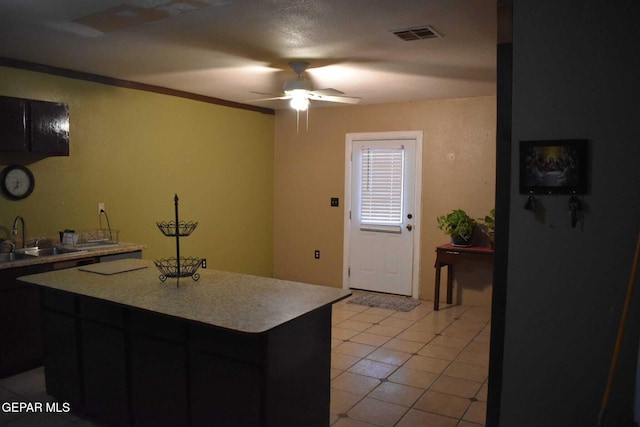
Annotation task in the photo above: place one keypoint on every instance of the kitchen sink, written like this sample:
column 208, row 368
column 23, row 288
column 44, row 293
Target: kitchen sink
column 30, row 253
column 12, row 256
column 37, row 252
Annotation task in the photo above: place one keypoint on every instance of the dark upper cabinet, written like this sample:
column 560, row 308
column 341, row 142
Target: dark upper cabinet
column 49, row 128
column 13, row 124
column 34, row 126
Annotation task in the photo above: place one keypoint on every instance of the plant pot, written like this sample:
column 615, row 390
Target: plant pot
column 460, row 241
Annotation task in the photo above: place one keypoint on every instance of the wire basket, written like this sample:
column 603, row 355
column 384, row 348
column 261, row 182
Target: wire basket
column 171, row 268
column 183, row 228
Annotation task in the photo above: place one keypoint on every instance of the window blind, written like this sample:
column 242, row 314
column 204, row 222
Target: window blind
column 382, row 186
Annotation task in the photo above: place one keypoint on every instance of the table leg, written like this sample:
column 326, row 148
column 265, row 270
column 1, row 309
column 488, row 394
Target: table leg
column 436, row 297
column 450, row 284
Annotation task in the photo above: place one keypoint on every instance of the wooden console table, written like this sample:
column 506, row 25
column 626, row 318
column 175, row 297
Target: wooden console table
column 448, row 255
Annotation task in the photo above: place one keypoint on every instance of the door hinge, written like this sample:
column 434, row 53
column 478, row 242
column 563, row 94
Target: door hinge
column 349, row 214
column 349, row 272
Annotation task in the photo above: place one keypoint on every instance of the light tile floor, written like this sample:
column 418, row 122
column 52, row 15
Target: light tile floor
column 388, row 368
column 405, row 369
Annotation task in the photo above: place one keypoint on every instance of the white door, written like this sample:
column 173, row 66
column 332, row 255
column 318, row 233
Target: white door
column 382, row 225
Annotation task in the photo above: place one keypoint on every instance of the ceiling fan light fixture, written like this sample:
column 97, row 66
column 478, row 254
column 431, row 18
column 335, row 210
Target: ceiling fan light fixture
column 299, row 102
column 299, row 92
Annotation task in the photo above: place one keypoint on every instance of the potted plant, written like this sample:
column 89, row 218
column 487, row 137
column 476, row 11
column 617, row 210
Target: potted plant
column 488, row 223
column 458, row 225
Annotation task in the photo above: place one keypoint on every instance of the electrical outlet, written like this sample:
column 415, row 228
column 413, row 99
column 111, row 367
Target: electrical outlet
column 316, row 254
column 203, row 264
column 335, row 202
column 100, row 208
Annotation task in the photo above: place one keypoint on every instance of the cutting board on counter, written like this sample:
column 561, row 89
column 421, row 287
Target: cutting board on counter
column 113, row 267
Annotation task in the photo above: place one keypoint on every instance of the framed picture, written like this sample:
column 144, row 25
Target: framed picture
column 553, row 167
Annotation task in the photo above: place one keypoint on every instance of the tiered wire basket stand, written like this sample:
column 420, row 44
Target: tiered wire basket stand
column 179, row 266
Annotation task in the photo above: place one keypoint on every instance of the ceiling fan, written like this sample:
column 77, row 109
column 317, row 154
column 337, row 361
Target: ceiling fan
column 300, row 91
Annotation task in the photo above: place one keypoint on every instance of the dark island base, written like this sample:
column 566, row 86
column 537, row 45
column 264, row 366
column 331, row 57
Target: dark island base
column 126, row 366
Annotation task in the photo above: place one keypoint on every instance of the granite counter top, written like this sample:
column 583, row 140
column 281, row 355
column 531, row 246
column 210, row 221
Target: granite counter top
column 233, row 301
column 88, row 252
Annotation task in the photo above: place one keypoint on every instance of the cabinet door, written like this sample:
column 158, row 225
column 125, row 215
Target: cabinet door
column 61, row 363
column 49, row 127
column 21, row 329
column 21, row 346
column 158, row 382
column 225, row 392
column 104, row 370
column 13, row 133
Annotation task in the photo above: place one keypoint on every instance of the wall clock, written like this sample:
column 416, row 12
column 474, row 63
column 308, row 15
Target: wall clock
column 17, row 182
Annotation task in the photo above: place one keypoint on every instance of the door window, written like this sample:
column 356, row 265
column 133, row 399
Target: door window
column 382, row 189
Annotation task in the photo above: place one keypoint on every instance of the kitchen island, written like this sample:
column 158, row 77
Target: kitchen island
column 228, row 349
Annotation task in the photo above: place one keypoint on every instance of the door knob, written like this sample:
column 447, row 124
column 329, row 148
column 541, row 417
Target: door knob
column 409, row 227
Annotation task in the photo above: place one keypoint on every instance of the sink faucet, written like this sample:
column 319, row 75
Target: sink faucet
column 15, row 230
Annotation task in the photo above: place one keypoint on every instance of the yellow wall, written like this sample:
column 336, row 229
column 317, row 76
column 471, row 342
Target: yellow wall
column 458, row 172
column 134, row 150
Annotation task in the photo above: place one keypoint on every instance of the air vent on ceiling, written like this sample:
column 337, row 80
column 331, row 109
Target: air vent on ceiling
column 417, row 33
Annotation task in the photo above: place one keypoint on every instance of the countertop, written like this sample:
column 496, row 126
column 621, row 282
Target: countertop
column 85, row 253
column 234, row 301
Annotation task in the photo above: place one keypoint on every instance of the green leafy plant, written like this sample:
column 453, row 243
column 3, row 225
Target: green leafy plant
column 488, row 226
column 489, row 221
column 457, row 224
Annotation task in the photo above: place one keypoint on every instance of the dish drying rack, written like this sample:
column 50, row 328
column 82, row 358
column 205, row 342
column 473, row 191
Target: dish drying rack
column 179, row 266
column 90, row 238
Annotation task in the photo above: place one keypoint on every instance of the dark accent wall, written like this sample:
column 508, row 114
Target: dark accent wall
column 575, row 75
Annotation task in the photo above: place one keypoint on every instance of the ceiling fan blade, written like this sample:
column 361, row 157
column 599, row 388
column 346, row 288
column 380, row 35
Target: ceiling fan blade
column 266, row 93
column 268, row 99
column 329, row 98
column 327, row 92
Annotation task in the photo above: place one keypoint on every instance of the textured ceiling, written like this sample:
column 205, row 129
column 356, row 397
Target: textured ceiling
column 231, row 49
